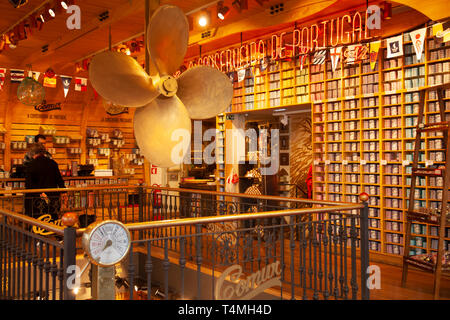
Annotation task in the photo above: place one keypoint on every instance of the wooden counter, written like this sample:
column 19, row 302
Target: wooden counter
column 19, row 183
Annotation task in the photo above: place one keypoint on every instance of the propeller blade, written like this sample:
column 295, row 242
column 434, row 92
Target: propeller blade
column 204, row 91
column 168, row 35
column 163, row 131
column 121, row 80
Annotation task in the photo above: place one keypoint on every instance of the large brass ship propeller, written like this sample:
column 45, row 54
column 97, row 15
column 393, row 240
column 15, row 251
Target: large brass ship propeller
column 165, row 104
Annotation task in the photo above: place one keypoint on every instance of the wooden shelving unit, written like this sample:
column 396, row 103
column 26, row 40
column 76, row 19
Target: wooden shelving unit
column 220, row 152
column 363, row 129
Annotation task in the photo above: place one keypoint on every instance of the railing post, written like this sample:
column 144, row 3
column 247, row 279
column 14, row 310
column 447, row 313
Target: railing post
column 70, row 238
column 364, row 229
column 141, row 207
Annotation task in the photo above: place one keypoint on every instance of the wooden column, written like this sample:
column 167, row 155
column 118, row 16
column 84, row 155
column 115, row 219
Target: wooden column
column 8, row 122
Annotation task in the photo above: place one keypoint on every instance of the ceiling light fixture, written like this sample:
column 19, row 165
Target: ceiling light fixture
column 64, row 5
column 237, row 5
column 51, row 12
column 103, row 16
column 18, row 3
column 222, row 11
column 240, row 5
column 387, row 10
column 203, row 20
column 42, row 18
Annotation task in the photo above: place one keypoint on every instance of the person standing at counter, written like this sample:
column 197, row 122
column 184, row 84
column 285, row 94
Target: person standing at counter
column 39, row 138
column 42, row 173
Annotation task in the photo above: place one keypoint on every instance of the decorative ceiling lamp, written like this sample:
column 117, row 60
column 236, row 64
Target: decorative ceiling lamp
column 30, row 92
column 165, row 105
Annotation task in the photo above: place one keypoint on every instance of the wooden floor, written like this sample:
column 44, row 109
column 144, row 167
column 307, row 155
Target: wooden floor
column 419, row 285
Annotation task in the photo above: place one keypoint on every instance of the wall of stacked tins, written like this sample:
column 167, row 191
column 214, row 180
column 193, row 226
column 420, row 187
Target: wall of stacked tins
column 363, row 129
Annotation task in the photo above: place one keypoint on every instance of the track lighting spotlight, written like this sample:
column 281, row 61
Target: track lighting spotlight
column 222, row 11
column 387, row 10
column 240, row 5
column 18, row 3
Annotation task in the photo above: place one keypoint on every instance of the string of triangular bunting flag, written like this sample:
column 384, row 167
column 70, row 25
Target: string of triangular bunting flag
column 357, row 52
column 49, row 80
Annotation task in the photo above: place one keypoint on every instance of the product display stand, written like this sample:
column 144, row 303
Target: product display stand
column 435, row 264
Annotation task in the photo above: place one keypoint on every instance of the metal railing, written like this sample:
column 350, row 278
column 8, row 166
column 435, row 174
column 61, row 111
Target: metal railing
column 32, row 266
column 309, row 247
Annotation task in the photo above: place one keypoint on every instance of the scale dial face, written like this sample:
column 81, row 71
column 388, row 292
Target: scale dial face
column 107, row 242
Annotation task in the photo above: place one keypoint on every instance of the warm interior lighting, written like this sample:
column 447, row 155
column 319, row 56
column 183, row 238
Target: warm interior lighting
column 51, row 12
column 42, row 18
column 222, row 11
column 64, row 5
column 203, row 20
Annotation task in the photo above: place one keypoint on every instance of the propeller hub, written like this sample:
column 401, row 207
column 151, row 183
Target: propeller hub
column 168, row 86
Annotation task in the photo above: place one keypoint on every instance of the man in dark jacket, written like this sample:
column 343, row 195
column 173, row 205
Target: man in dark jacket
column 42, row 173
column 39, row 138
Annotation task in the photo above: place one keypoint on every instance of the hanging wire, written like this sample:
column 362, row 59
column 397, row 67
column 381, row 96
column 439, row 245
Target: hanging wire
column 109, row 38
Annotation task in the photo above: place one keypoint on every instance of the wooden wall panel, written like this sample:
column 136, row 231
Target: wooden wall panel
column 79, row 111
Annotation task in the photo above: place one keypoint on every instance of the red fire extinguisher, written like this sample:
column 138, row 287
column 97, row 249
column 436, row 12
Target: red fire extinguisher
column 157, row 197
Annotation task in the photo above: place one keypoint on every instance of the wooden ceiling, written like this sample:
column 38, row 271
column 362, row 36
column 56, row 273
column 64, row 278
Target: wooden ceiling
column 127, row 19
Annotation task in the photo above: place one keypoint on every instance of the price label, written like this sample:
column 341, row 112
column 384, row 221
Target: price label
column 406, row 163
column 363, row 162
column 327, row 162
column 344, row 162
column 316, row 162
column 429, row 163
column 383, row 162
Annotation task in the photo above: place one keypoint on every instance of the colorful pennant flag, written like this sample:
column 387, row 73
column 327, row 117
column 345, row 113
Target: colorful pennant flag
column 66, row 80
column 335, row 54
column 373, row 53
column 302, row 60
column 355, row 53
column 440, row 33
column 17, row 75
column 319, row 57
column 437, row 29
column 80, row 84
column 394, row 46
column 49, row 82
column 49, row 79
column 263, row 65
column 34, row 74
column 351, row 54
column 418, row 40
column 241, row 74
column 2, row 77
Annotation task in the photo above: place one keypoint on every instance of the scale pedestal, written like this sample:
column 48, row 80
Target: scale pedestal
column 103, row 283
